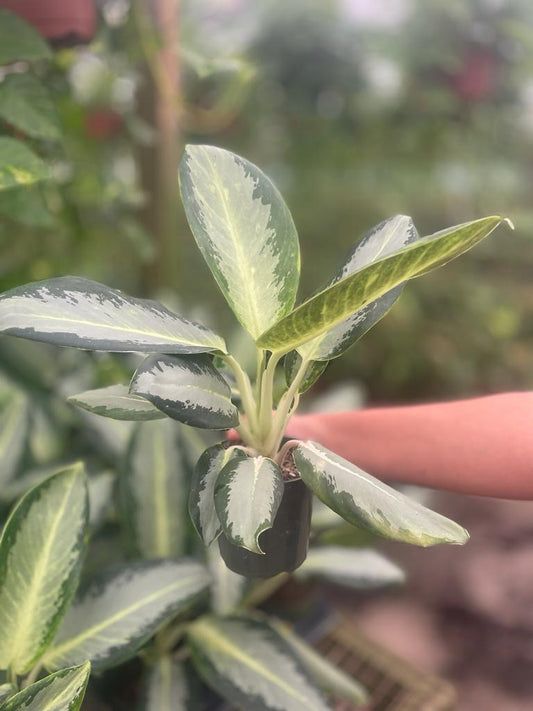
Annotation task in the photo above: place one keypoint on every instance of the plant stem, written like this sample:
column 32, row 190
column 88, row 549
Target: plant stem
column 267, row 395
column 12, row 677
column 264, row 590
column 286, row 407
column 32, row 676
column 245, row 389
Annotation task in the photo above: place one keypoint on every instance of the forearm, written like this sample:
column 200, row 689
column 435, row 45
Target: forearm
column 481, row 446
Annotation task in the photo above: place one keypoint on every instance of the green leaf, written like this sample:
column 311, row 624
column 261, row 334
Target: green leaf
column 365, row 501
column 72, row 311
column 153, row 491
column 18, row 40
column 26, row 204
column 327, row 676
column 250, row 665
column 41, row 552
column 117, row 402
column 248, row 493
column 344, row 298
column 227, row 588
column 19, row 165
column 6, row 690
column 245, row 233
column 188, row 389
column 202, row 497
column 62, row 691
column 292, row 364
column 13, row 436
column 118, row 613
column 166, row 687
column 385, row 239
column 357, row 568
column 26, row 104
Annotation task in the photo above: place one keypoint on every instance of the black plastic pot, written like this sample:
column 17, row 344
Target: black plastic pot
column 284, row 545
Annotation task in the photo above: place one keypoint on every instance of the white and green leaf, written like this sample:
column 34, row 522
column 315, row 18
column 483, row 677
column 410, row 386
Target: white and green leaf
column 166, row 687
column 26, row 104
column 188, row 389
column 245, row 233
column 6, row 690
column 19, row 165
column 357, row 568
column 248, row 493
column 14, row 420
column 227, row 588
column 385, row 239
column 116, row 615
column 292, row 364
column 251, row 666
column 202, row 495
column 41, row 551
column 352, row 293
column 62, row 691
column 116, row 402
column 153, row 491
column 328, row 677
column 365, row 501
column 19, row 40
column 78, row 312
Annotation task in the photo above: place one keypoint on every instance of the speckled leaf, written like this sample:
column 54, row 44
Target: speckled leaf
column 245, row 233
column 357, row 568
column 117, row 402
column 365, row 501
column 19, row 165
column 72, row 311
column 26, row 104
column 227, row 588
column 292, row 364
column 166, row 687
column 6, row 690
column 388, row 237
column 19, row 40
column 341, row 300
column 40, row 558
column 13, row 436
column 187, row 388
column 251, row 666
column 248, row 493
column 153, row 491
column 62, row 691
column 117, row 614
column 327, row 676
column 202, row 497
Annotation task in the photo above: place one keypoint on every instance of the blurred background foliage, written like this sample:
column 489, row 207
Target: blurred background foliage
column 358, row 109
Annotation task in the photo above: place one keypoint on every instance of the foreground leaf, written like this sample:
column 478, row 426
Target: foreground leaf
column 13, row 436
column 19, row 40
column 153, row 491
column 117, row 614
column 341, row 300
column 62, row 691
column 19, row 165
column 365, row 501
column 26, row 104
column 357, row 568
column 166, row 687
column 202, row 497
column 40, row 558
column 248, row 493
column 386, row 238
column 72, row 311
column 245, row 233
column 248, row 663
column 188, row 389
column 327, row 676
column 117, row 402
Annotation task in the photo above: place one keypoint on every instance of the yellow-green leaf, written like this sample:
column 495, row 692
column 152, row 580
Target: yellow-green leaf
column 62, row 691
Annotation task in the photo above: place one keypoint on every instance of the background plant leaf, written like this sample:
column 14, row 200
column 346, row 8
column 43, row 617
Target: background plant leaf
column 166, row 687
column 14, row 423
column 19, row 40
column 19, row 165
column 26, row 104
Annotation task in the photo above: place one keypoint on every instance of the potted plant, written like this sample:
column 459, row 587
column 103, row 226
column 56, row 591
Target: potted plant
column 253, row 495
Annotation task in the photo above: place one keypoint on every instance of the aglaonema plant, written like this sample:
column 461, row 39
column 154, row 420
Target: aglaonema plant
column 253, row 495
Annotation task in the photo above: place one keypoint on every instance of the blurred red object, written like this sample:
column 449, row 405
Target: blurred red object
column 101, row 124
column 477, row 79
column 62, row 22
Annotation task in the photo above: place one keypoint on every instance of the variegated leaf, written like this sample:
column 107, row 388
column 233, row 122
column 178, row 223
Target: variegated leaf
column 227, row 588
column 6, row 690
column 245, row 233
column 248, row 493
column 388, row 237
column 251, row 666
column 357, row 568
column 188, row 389
column 62, row 691
column 19, row 165
column 117, row 614
column 153, row 491
column 365, row 501
column 327, row 676
column 349, row 295
column 41, row 551
column 13, row 436
column 292, row 364
column 166, row 687
column 72, row 311
column 117, row 402
column 202, row 496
